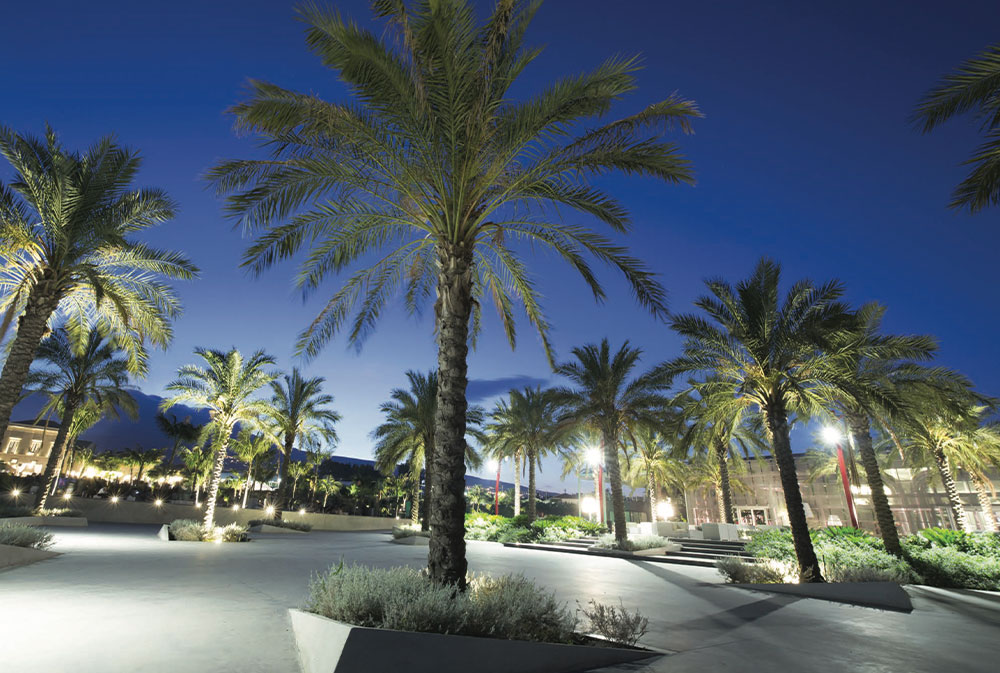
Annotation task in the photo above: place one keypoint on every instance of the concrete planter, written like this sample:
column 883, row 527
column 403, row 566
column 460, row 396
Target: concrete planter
column 328, row 646
column 416, row 540
column 268, row 528
column 11, row 557
column 73, row 521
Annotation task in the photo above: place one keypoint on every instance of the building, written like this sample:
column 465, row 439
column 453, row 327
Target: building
column 916, row 497
column 26, row 446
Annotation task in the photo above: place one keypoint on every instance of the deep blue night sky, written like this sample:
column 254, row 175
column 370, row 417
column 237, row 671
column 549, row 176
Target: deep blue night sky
column 805, row 154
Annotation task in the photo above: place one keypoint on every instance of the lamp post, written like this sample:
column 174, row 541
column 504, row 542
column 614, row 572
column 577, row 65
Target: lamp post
column 594, row 458
column 496, row 490
column 833, row 437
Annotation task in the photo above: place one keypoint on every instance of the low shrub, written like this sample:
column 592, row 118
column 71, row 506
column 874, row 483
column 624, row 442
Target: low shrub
column 978, row 544
column 634, row 543
column 399, row 532
column 950, row 568
column 514, row 534
column 59, row 511
column 616, row 624
column 479, row 526
column 189, row 530
column 8, row 511
column 775, row 545
column 860, row 564
column 23, row 535
column 557, row 529
column 404, row 599
column 282, row 523
column 738, row 571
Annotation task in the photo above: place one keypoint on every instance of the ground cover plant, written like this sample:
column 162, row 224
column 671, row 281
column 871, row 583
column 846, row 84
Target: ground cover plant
column 634, row 543
column 8, row 511
column 282, row 523
column 399, row 532
column 935, row 556
column 189, row 530
column 618, row 625
column 22, row 535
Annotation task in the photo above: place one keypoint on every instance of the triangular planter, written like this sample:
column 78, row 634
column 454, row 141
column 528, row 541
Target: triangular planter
column 268, row 528
column 72, row 521
column 882, row 595
column 11, row 556
column 417, row 540
column 329, row 646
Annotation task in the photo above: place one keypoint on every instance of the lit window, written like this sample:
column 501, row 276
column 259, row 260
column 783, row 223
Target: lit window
column 36, row 445
column 13, row 444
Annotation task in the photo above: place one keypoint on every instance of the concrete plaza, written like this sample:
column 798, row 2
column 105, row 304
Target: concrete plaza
column 119, row 599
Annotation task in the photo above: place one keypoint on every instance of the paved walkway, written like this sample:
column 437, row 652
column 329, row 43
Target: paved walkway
column 120, row 600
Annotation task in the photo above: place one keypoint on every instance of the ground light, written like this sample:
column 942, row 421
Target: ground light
column 67, row 496
column 235, row 507
column 664, row 510
column 270, row 510
column 16, row 492
column 114, row 499
column 157, row 502
column 302, row 511
column 589, row 505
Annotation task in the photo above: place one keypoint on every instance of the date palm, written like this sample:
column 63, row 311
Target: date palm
column 75, row 375
column 757, row 352
column 197, row 462
column 141, row 458
column 650, row 462
column 180, row 431
column 973, row 87
column 604, row 398
column 248, row 447
column 225, row 385
column 296, row 471
column 527, row 425
column 67, row 227
column 446, row 179
column 328, row 486
column 299, row 413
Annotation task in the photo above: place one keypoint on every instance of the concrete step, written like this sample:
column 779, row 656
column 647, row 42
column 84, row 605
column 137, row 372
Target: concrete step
column 711, row 555
column 559, row 547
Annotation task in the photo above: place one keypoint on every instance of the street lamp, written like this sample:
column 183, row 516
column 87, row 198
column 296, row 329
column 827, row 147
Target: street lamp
column 594, row 458
column 495, row 465
column 665, row 510
column 833, row 437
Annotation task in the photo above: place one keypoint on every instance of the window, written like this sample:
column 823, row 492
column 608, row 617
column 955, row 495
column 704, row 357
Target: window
column 36, row 445
column 13, row 444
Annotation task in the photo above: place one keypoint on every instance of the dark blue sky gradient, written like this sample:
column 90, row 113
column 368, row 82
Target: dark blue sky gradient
column 805, row 154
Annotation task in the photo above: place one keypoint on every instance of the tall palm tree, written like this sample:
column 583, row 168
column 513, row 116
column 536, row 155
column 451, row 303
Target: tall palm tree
column 77, row 374
column 198, row 463
column 248, row 446
column 225, row 385
column 606, row 399
column 328, row 486
column 181, row 431
column 299, row 414
column 440, row 170
column 974, row 87
column 756, row 351
column 528, row 425
column 67, row 226
column 650, row 462
column 407, row 436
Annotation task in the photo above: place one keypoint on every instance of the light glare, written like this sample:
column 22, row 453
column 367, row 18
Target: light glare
column 830, row 435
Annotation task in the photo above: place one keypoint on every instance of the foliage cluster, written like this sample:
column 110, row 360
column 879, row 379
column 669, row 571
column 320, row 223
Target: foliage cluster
column 404, row 599
column 60, row 511
column 399, row 532
column 22, row 535
column 8, row 511
column 282, row 523
column 634, row 543
column 189, row 530
column 479, row 526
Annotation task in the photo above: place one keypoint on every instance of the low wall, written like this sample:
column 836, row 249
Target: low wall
column 105, row 511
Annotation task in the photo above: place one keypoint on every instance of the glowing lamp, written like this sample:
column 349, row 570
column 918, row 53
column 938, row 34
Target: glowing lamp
column 302, row 511
column 235, row 507
column 664, row 510
column 114, row 498
column 594, row 456
column 157, row 502
column 270, row 510
column 16, row 492
column 830, row 435
column 589, row 505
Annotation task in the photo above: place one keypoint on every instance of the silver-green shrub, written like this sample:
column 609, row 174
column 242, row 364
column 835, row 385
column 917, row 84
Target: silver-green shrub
column 634, row 543
column 189, row 530
column 863, row 565
column 404, row 599
column 615, row 623
column 22, row 535
column 738, row 571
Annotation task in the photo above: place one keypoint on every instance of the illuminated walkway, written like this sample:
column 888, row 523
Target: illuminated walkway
column 119, row 600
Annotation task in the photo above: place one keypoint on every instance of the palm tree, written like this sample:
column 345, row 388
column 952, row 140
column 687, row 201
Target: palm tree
column 528, row 425
column 182, row 432
column 225, row 387
column 651, row 464
column 328, row 486
column 67, row 222
column 478, row 497
column 295, row 472
column 757, row 352
column 608, row 401
column 248, row 446
column 140, row 458
column 299, row 413
column 974, row 87
column 198, row 463
column 75, row 375
column 439, row 169
column 407, row 436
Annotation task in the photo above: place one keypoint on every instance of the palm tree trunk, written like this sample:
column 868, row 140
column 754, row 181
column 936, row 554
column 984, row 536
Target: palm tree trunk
column 31, row 329
column 614, row 473
column 861, row 432
column 50, row 475
column 425, row 517
column 651, row 491
column 777, row 422
column 281, row 500
column 446, row 560
column 985, row 502
column 720, row 500
column 954, row 499
column 414, row 493
column 532, row 504
column 246, row 490
column 727, row 512
column 213, row 485
column 517, row 484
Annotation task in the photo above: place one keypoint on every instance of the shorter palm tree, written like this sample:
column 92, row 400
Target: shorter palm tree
column 477, row 497
column 225, row 386
column 296, row 471
column 248, row 446
column 141, row 458
column 197, row 468
column 77, row 374
column 180, row 431
column 328, row 486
